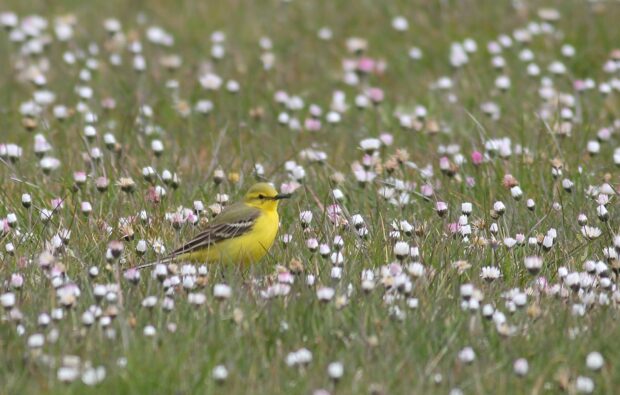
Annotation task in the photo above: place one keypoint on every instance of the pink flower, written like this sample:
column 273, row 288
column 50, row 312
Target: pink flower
column 380, row 67
column 79, row 177
column 365, row 65
column 427, row 190
column 17, row 280
column 286, row 278
column 349, row 64
column 395, row 269
column 312, row 124
column 367, row 161
column 57, row 203
column 453, row 227
column 333, row 213
column 579, row 85
column 520, row 237
column 132, row 275
column 289, row 187
column 108, row 103
column 152, row 195
column 4, row 225
column 40, row 144
column 375, row 94
column 470, row 181
column 444, row 163
column 191, row 218
column 386, row 138
column 276, row 290
column 57, row 271
column 542, row 283
column 476, row 157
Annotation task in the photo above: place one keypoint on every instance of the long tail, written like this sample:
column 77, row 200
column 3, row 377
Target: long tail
column 166, row 260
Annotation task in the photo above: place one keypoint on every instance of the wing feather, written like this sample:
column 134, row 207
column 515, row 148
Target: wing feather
column 223, row 227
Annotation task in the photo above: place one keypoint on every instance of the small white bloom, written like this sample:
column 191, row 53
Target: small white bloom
column 325, row 294
column 400, row 23
column 584, row 385
column 220, row 373
column 305, row 217
column 467, row 355
column 499, row 207
column 36, row 341
column 7, row 300
column 93, row 376
column 467, row 290
column 401, row 249
column 149, row 331
column 594, row 361
column 67, row 374
column 521, row 367
column 490, row 273
column 196, row 299
column 591, row 232
column 335, row 370
column 222, row 291
column 370, row 145
column 533, row 263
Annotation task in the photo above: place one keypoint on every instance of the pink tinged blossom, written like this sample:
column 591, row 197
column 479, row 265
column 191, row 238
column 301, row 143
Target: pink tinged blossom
column 477, row 158
column 4, row 225
column 580, row 85
column 17, row 280
column 386, row 139
column 365, row 65
column 470, row 181
column 542, row 283
column 192, row 218
column 376, row 95
column 444, row 163
column 453, row 227
column 427, row 190
column 286, row 278
column 394, row 269
column 41, row 145
column 380, row 67
column 79, row 177
column 333, row 213
column 367, row 161
column 289, row 187
column 152, row 195
column 274, row 290
column 312, row 124
column 57, row 203
column 325, row 294
column 132, row 275
column 442, row 208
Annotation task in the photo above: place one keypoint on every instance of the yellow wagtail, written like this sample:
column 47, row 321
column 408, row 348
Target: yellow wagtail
column 242, row 233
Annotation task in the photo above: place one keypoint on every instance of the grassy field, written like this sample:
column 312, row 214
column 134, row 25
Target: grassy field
column 120, row 119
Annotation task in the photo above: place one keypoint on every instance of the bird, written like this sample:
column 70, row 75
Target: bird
column 242, row 233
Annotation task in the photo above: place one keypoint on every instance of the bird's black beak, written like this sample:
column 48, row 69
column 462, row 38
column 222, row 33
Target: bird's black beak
column 283, row 196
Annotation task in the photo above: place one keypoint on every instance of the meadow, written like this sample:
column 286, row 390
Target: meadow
column 454, row 227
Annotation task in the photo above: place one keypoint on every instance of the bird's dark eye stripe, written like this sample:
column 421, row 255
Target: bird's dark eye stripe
column 261, row 196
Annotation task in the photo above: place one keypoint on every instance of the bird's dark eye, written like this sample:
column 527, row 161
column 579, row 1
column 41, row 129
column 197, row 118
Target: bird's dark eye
column 261, row 196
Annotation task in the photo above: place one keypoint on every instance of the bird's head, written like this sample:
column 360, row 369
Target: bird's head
column 264, row 196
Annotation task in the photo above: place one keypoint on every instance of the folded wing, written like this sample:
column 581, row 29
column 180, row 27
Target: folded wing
column 233, row 222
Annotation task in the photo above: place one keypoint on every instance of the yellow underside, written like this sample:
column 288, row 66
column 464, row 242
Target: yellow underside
column 246, row 249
